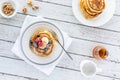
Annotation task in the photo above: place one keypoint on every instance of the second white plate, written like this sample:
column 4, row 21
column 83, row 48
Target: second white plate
column 103, row 18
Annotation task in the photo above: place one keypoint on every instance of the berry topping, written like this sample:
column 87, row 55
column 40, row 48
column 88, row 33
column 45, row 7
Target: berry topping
column 38, row 39
column 35, row 45
column 46, row 49
column 30, row 42
column 38, row 35
column 50, row 42
column 40, row 44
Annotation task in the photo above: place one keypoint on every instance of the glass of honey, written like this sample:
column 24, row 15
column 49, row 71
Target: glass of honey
column 99, row 52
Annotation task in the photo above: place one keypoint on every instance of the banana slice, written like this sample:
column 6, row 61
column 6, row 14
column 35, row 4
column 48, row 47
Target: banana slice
column 45, row 40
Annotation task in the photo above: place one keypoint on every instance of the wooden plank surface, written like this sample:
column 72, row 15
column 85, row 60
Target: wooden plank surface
column 68, row 3
column 5, row 76
column 78, row 31
column 16, row 66
column 65, row 62
column 63, row 13
column 60, row 13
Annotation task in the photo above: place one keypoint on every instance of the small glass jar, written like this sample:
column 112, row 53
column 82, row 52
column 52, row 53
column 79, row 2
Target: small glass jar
column 99, row 52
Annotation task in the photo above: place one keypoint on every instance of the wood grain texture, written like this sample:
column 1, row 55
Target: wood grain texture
column 63, row 13
column 4, row 76
column 16, row 66
column 60, row 13
column 11, row 34
column 108, row 37
column 78, row 57
column 69, row 3
column 59, row 2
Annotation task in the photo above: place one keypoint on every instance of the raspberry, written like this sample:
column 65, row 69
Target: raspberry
column 38, row 39
column 40, row 44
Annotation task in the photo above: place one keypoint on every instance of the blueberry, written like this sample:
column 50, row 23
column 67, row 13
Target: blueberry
column 38, row 35
column 35, row 45
column 50, row 42
column 30, row 42
column 46, row 49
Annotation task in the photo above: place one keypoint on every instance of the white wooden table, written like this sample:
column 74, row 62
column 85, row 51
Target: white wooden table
column 85, row 38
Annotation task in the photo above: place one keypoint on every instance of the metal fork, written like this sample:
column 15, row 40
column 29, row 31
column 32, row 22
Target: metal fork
column 56, row 38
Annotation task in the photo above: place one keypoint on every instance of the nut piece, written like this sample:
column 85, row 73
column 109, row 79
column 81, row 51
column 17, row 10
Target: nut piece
column 30, row 2
column 24, row 10
column 35, row 7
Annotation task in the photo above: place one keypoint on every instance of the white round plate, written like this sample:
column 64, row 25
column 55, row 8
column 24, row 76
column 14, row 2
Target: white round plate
column 103, row 18
column 24, row 42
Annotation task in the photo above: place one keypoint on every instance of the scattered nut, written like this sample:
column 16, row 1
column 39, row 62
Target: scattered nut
column 8, row 9
column 30, row 2
column 35, row 7
column 24, row 10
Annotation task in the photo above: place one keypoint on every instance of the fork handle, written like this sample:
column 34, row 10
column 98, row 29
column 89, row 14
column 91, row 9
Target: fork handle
column 65, row 50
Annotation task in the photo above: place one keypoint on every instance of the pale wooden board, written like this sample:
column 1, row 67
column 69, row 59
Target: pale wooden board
column 67, row 63
column 4, row 76
column 11, row 36
column 78, row 31
column 112, row 25
column 11, row 33
column 86, row 47
column 11, row 30
column 64, row 13
column 59, row 2
column 21, row 68
column 69, row 3
column 110, row 69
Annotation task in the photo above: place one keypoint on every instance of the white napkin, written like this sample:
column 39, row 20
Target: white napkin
column 47, row 69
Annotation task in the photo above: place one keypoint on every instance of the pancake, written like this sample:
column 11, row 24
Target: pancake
column 90, row 12
column 85, row 12
column 46, row 47
column 96, row 4
column 92, row 8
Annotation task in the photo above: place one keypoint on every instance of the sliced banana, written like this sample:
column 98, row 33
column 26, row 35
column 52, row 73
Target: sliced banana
column 45, row 40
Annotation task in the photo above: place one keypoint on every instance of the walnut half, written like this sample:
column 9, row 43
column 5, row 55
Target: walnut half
column 30, row 2
column 24, row 10
column 35, row 7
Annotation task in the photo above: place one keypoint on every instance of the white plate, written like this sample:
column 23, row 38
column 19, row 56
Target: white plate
column 25, row 37
column 103, row 18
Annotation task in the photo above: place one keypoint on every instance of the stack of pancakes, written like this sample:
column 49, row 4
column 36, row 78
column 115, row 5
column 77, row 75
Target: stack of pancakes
column 92, row 8
column 46, row 48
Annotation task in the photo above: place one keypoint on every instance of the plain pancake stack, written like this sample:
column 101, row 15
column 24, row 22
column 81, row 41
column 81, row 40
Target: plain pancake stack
column 92, row 8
